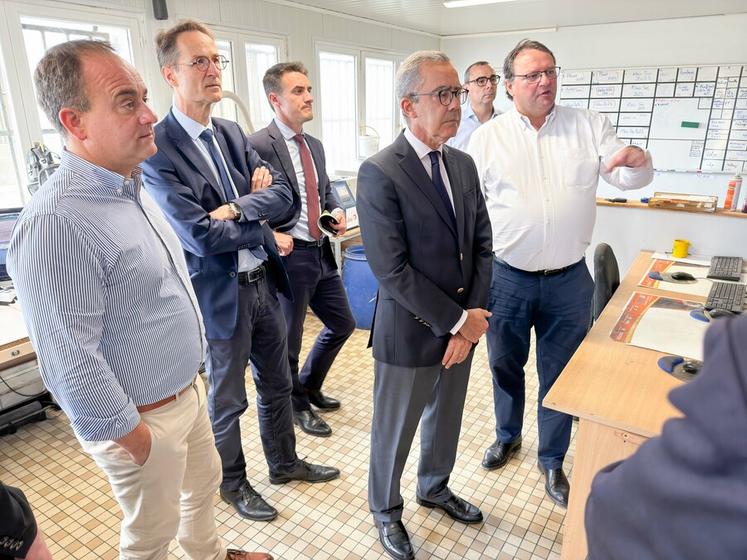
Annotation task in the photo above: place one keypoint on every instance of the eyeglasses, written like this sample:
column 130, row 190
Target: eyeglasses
column 534, row 77
column 482, row 81
column 446, row 95
column 202, row 63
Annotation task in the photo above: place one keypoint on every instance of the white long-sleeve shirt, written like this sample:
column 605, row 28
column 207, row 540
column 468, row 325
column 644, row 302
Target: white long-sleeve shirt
column 540, row 185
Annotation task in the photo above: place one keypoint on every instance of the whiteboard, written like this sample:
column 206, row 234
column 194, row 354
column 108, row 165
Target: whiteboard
column 691, row 118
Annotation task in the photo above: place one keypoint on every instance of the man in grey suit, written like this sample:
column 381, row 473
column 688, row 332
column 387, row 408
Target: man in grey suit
column 428, row 240
column 306, row 253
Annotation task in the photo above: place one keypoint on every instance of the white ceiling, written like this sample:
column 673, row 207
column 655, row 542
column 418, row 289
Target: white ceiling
column 430, row 15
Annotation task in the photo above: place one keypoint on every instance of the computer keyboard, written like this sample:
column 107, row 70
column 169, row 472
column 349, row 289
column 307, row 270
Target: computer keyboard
column 726, row 295
column 725, row 268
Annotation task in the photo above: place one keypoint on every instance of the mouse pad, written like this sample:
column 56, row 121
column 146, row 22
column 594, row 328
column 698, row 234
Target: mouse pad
column 659, row 277
column 661, row 323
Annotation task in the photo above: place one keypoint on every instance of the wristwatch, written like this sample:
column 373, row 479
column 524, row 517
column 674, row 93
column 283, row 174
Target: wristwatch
column 236, row 209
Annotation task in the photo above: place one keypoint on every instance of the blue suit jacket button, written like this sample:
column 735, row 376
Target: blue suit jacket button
column 232, row 274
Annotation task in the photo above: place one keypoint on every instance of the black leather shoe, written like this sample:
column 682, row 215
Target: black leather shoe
column 556, row 485
column 395, row 540
column 322, row 401
column 249, row 503
column 456, row 508
column 498, row 454
column 306, row 472
column 311, row 423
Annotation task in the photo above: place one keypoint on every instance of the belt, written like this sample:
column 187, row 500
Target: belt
column 544, row 272
column 167, row 400
column 246, row 278
column 303, row 243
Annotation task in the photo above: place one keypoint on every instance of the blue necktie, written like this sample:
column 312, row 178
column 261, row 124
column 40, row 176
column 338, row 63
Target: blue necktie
column 207, row 137
column 438, row 182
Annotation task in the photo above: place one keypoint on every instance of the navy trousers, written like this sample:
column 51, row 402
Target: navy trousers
column 260, row 338
column 316, row 284
column 558, row 308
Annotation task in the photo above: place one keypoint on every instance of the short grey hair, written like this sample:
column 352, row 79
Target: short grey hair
column 408, row 75
column 59, row 78
column 474, row 64
column 523, row 45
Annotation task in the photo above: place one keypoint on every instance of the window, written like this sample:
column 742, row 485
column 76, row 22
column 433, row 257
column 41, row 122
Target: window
column 11, row 178
column 41, row 34
column 259, row 57
column 337, row 77
column 226, row 109
column 380, row 103
column 351, row 107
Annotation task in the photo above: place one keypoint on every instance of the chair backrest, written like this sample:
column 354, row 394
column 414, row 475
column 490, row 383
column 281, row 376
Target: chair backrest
column 606, row 278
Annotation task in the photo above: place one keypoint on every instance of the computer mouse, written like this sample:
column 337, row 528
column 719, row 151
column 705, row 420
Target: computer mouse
column 718, row 313
column 682, row 276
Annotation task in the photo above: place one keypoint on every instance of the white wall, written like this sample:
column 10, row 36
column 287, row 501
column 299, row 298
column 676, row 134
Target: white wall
column 690, row 41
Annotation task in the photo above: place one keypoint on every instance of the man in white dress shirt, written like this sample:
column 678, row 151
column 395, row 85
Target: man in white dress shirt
column 481, row 82
column 539, row 165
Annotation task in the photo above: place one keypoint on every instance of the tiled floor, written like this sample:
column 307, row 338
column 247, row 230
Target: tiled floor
column 75, row 509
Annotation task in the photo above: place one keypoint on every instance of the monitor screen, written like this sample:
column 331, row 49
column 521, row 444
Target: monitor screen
column 343, row 192
column 8, row 218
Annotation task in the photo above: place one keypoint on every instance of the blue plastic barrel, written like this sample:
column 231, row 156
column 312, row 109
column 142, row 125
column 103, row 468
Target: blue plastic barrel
column 360, row 284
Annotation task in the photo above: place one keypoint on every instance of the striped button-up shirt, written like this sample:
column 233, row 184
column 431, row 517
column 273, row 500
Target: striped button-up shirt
column 106, row 297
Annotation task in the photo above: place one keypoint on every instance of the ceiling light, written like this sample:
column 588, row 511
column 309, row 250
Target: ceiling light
column 465, row 3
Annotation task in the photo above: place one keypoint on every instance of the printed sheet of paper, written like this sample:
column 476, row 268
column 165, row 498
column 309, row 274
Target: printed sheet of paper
column 662, row 324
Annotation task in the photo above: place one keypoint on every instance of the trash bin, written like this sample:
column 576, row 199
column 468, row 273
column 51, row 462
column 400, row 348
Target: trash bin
column 360, row 285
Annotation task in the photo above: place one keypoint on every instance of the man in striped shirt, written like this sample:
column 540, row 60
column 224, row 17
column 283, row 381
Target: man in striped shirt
column 110, row 309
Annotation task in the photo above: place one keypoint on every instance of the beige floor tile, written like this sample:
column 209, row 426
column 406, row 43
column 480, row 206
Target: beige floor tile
column 77, row 512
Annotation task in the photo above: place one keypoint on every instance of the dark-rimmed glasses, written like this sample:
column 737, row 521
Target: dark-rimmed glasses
column 202, row 63
column 534, row 77
column 482, row 81
column 445, row 95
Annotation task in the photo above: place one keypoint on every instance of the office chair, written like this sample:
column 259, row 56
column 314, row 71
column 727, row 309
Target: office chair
column 606, row 279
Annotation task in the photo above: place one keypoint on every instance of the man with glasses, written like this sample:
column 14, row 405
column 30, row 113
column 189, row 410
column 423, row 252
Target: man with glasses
column 481, row 82
column 539, row 165
column 427, row 238
column 212, row 187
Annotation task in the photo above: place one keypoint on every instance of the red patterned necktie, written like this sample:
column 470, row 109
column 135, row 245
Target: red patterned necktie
column 312, row 188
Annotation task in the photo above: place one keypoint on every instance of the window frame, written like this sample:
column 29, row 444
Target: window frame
column 360, row 55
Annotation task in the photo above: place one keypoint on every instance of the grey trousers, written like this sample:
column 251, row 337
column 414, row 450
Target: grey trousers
column 402, row 397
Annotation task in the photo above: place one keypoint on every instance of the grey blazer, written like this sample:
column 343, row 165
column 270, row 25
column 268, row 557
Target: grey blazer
column 429, row 270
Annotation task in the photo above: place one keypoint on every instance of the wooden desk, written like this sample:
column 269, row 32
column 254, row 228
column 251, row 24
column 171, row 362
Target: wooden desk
column 620, row 396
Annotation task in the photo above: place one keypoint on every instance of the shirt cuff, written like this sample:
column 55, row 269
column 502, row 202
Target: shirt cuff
column 459, row 323
column 91, row 428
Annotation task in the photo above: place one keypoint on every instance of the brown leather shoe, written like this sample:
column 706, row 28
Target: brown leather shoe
column 233, row 554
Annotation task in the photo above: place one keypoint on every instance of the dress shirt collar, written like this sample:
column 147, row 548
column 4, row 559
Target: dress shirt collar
column 525, row 120
column 127, row 186
column 421, row 148
column 287, row 132
column 469, row 113
column 190, row 126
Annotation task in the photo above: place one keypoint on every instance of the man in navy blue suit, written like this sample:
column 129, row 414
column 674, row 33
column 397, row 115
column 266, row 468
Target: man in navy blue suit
column 307, row 253
column 684, row 494
column 220, row 196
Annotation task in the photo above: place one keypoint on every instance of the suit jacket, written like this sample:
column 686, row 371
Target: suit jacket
column 185, row 188
column 17, row 523
column 684, row 494
column 271, row 147
column 429, row 271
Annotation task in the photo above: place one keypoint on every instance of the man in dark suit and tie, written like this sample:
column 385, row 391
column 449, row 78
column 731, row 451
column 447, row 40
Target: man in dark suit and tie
column 307, row 253
column 428, row 240
column 211, row 186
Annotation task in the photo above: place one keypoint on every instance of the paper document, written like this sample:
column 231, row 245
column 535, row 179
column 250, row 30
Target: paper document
column 662, row 324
